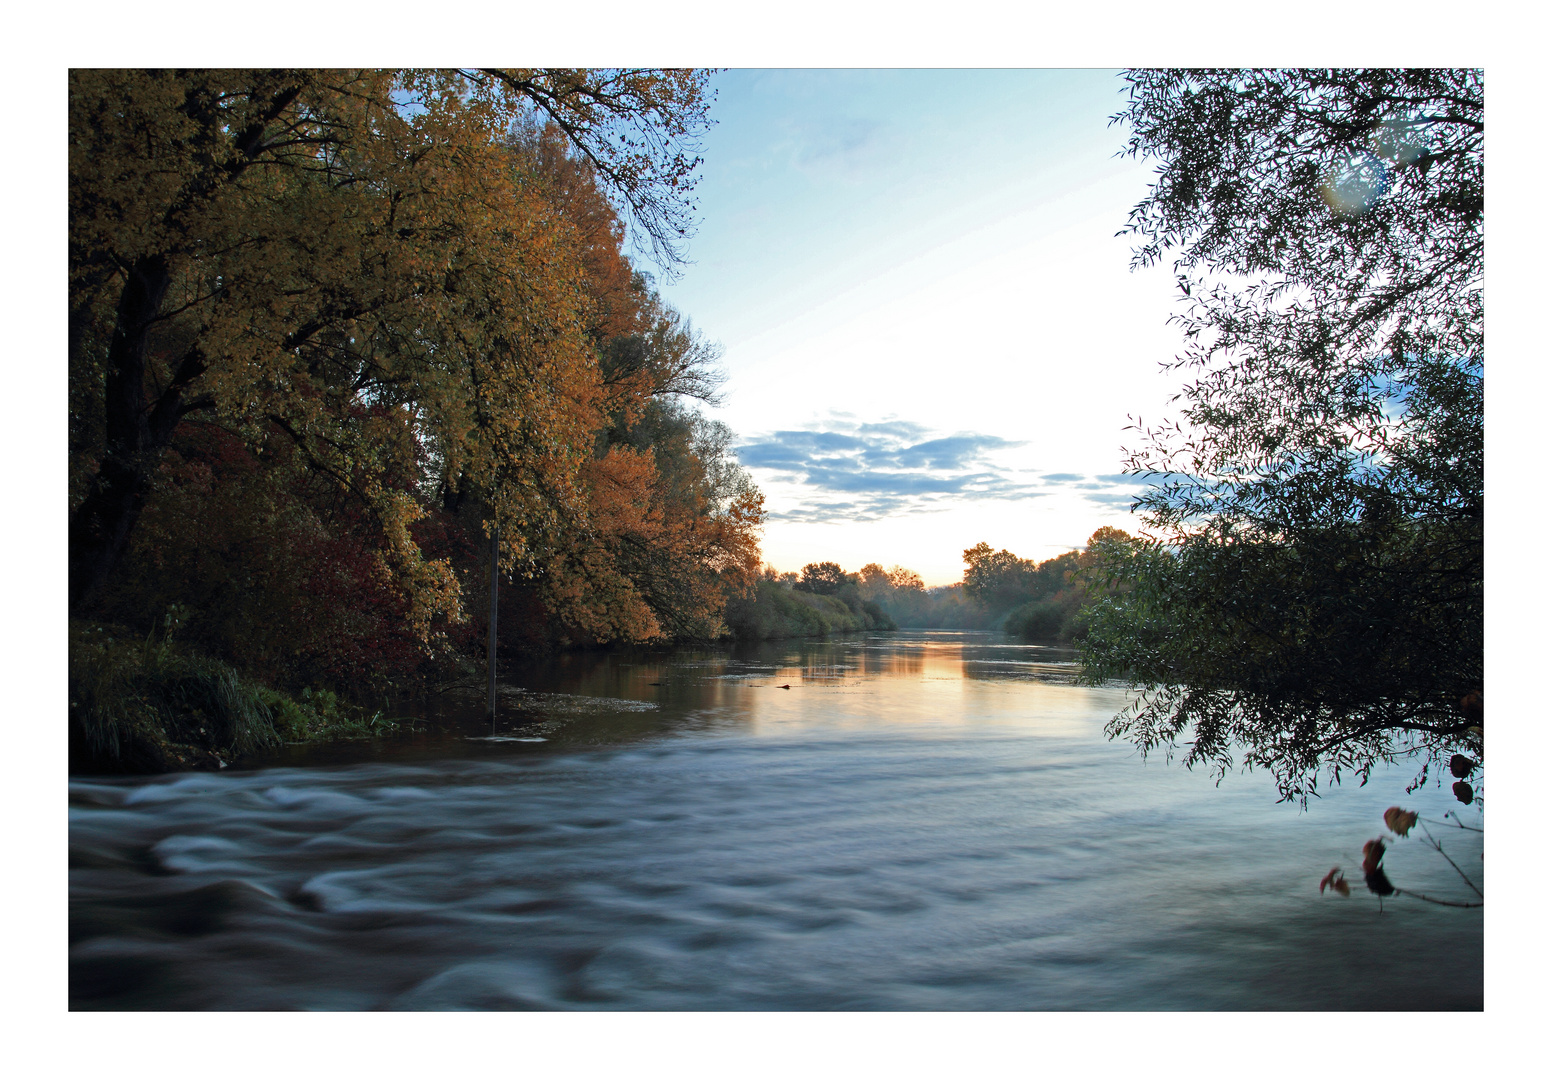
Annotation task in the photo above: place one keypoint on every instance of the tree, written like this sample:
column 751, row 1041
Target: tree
column 278, row 566
column 823, row 579
column 668, row 523
column 873, row 581
column 997, row 580
column 672, row 531
column 313, row 258
column 1311, row 598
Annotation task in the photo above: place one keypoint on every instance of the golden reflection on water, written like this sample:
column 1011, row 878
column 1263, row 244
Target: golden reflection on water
column 954, row 683
column 918, row 680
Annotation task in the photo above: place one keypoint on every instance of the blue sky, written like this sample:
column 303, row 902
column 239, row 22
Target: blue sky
column 930, row 331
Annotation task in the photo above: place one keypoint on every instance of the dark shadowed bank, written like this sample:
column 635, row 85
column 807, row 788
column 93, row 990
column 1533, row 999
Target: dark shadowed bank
column 170, row 697
column 146, row 704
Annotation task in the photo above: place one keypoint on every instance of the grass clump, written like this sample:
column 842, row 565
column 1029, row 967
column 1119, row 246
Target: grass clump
column 152, row 704
column 147, row 704
column 316, row 715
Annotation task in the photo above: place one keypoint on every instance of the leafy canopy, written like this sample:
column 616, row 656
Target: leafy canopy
column 1311, row 597
column 353, row 262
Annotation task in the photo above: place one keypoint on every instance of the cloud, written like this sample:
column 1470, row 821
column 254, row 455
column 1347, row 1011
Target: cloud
column 881, row 468
column 851, row 140
column 844, row 469
column 956, row 452
column 902, row 429
column 1106, row 489
column 1111, row 498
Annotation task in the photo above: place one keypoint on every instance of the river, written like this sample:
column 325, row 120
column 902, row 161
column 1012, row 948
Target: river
column 923, row 821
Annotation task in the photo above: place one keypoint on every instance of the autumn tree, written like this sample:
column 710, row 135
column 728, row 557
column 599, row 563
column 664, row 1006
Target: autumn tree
column 673, row 531
column 873, row 580
column 1311, row 601
column 876, row 582
column 667, row 526
column 320, row 259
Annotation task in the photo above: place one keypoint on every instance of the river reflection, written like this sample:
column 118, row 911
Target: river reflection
column 918, row 821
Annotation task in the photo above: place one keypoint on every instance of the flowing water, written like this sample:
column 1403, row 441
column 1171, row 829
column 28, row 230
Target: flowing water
column 923, row 821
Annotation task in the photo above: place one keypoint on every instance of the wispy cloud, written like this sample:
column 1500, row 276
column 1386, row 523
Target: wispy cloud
column 846, row 143
column 881, row 468
column 1119, row 499
column 846, row 469
column 1117, row 490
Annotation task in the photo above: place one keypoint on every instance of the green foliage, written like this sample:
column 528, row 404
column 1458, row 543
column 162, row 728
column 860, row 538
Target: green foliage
column 878, row 618
column 1041, row 620
column 321, row 715
column 945, row 607
column 998, row 580
column 1311, row 600
column 778, row 610
column 1044, row 602
column 824, row 579
column 152, row 703
column 1333, row 653
column 141, row 703
column 902, row 598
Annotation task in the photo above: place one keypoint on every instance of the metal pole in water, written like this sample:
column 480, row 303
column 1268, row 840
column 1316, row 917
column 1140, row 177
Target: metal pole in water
column 490, row 634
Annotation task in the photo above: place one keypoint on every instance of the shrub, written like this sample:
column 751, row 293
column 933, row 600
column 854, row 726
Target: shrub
column 1038, row 620
column 135, row 703
column 777, row 611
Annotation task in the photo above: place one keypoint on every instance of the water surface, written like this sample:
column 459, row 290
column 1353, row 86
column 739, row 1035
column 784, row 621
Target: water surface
column 922, row 821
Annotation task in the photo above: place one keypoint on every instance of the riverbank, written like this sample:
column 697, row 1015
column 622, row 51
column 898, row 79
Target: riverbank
column 147, row 705
column 143, row 705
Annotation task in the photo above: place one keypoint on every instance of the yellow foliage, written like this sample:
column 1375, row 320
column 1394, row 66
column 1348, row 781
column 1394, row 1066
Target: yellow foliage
column 406, row 278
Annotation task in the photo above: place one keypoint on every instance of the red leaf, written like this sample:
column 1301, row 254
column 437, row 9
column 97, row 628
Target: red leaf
column 1336, row 880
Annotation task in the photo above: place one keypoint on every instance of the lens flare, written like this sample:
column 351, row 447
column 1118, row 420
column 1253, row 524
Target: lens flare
column 1354, row 185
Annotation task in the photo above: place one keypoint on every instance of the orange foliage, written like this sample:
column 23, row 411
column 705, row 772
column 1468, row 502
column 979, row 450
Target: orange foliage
column 391, row 323
column 651, row 563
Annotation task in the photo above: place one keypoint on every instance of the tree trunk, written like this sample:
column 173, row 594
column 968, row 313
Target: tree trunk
column 100, row 526
column 490, row 633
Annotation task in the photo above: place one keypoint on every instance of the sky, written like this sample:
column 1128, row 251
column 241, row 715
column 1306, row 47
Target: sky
column 930, row 331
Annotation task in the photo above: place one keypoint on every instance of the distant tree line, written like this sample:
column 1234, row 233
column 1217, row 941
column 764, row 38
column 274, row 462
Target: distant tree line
column 823, row 600
column 1044, row 601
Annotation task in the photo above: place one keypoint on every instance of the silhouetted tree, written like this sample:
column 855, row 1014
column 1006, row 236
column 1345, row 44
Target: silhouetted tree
column 1311, row 600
